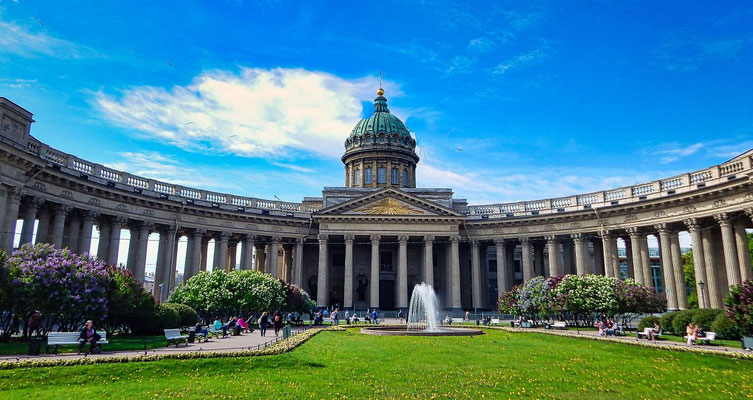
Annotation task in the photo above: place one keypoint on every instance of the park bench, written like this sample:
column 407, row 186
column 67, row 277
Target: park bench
column 215, row 332
column 198, row 336
column 559, row 325
column 710, row 336
column 642, row 334
column 70, row 338
column 495, row 321
column 174, row 336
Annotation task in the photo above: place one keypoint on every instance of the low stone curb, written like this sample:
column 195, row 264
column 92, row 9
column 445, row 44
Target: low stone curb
column 280, row 347
column 699, row 350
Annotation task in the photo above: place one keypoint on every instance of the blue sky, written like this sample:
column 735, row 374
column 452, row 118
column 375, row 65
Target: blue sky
column 545, row 99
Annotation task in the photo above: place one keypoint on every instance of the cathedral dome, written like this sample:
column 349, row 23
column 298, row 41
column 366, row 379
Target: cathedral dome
column 380, row 129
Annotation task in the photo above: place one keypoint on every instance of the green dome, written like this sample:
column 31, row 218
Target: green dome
column 381, row 128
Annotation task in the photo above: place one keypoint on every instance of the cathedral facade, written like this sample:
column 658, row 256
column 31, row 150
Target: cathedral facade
column 367, row 243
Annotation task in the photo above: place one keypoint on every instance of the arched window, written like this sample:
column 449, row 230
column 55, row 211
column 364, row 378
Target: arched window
column 395, row 175
column 405, row 178
column 367, row 176
column 381, row 175
column 356, row 177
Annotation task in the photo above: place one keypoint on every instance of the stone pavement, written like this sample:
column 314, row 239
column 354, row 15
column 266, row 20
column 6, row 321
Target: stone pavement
column 247, row 341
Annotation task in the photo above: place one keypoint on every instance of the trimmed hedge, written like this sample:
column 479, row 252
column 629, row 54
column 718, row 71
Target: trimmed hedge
column 724, row 327
column 666, row 321
column 187, row 316
column 648, row 322
column 704, row 317
column 681, row 321
column 165, row 317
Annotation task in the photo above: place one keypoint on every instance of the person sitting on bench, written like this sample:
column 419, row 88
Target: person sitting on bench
column 88, row 335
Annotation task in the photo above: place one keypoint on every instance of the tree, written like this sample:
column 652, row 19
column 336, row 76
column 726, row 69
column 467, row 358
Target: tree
column 688, row 269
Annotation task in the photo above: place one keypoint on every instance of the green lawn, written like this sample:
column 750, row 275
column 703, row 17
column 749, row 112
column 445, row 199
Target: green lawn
column 350, row 365
column 117, row 342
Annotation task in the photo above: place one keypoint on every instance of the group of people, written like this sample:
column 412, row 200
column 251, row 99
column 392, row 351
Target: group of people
column 608, row 327
column 238, row 325
column 652, row 332
column 693, row 332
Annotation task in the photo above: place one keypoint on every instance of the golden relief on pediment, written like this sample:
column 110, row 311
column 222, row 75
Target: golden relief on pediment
column 388, row 206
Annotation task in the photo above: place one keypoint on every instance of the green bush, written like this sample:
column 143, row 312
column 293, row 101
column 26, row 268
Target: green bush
column 724, row 327
column 703, row 318
column 188, row 315
column 165, row 318
column 681, row 321
column 648, row 322
column 666, row 321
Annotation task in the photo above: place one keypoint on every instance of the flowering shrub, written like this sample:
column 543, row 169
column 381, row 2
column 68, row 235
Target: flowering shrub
column 223, row 294
column 739, row 306
column 578, row 299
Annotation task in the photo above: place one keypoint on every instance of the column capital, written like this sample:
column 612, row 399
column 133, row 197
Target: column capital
column 375, row 239
column 428, row 238
column 247, row 238
column 171, row 230
column 199, row 233
column 749, row 212
column 275, row 240
column 403, row 239
column 225, row 236
column 349, row 238
column 34, row 202
column 146, row 225
column 692, row 224
column 119, row 220
column 323, row 237
column 63, row 209
column 577, row 236
column 499, row 241
column 454, row 238
column 16, row 193
column 524, row 240
column 551, row 238
column 91, row 215
column 722, row 219
column 605, row 234
column 662, row 228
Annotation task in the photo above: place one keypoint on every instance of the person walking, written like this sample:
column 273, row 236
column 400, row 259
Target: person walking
column 263, row 321
column 374, row 316
column 277, row 322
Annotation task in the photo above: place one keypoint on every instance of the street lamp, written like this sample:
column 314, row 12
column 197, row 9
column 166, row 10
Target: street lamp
column 160, row 291
column 702, row 302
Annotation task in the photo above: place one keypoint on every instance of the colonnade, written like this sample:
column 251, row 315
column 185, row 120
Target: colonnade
column 65, row 226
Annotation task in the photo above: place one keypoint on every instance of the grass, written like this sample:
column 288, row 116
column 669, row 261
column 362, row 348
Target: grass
column 350, row 365
column 116, row 343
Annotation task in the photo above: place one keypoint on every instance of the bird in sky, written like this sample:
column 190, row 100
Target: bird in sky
column 459, row 148
column 38, row 21
column 168, row 63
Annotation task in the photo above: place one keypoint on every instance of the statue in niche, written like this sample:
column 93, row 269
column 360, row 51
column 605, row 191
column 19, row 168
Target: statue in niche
column 363, row 284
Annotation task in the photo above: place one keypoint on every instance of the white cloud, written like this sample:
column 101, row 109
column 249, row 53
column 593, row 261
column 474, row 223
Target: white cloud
column 255, row 112
column 459, row 65
column 480, row 45
column 673, row 151
column 523, row 59
column 18, row 40
column 293, row 167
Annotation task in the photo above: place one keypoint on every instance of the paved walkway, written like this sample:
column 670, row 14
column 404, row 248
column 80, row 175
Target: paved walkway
column 247, row 341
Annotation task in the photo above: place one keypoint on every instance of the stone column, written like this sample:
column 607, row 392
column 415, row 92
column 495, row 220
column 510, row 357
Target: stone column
column 11, row 216
column 204, row 251
column 220, row 251
column 538, row 259
column 298, row 263
column 743, row 255
column 193, row 254
column 606, row 243
column 629, row 257
column 567, row 257
column 247, row 252
column 30, row 217
column 635, row 253
column 144, row 229
column 374, row 284
column 104, row 238
column 133, row 247
column 677, row 268
column 666, row 265
column 580, row 253
column 401, row 278
column 475, row 275
column 231, row 256
column 648, row 274
column 159, row 271
column 84, row 246
column 260, row 257
column 58, row 224
column 169, row 278
column 730, row 251
column 429, row 260
column 43, row 228
column 712, row 286
column 699, row 262
column 74, row 232
column 598, row 256
column 455, row 272
column 553, row 249
column 503, row 282
column 115, row 227
column 527, row 259
column 4, row 190
column 273, row 259
column 322, row 286
column 348, row 284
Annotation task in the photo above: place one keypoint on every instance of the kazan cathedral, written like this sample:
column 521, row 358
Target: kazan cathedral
column 367, row 243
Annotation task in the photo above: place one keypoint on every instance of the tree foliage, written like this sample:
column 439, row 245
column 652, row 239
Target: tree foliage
column 739, row 306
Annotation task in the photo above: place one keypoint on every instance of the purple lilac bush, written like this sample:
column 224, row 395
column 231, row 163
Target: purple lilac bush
column 739, row 306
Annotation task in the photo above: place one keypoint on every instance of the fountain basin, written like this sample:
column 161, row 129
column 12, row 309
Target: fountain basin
column 401, row 331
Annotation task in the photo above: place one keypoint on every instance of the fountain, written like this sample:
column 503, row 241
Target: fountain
column 423, row 318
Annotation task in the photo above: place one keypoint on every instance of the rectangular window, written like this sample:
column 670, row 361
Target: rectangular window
column 356, row 177
column 405, row 178
column 395, row 176
column 367, row 176
column 381, row 175
column 385, row 261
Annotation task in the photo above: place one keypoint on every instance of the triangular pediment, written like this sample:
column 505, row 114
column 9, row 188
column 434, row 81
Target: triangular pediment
column 390, row 202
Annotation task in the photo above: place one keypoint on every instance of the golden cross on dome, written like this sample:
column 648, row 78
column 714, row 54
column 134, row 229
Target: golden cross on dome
column 380, row 91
